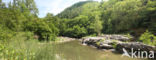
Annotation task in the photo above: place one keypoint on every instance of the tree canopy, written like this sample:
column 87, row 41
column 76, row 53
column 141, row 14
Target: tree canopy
column 81, row 19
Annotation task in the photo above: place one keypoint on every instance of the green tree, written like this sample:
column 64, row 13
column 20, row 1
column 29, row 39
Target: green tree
column 80, row 8
column 25, row 6
column 31, row 5
column 2, row 5
column 12, row 19
column 43, row 30
column 95, row 26
column 76, row 32
column 51, row 19
column 150, row 16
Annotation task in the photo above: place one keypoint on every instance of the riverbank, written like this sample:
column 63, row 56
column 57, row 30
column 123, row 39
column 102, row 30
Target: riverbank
column 109, row 42
column 113, row 43
column 74, row 50
column 118, row 43
column 62, row 39
column 105, row 41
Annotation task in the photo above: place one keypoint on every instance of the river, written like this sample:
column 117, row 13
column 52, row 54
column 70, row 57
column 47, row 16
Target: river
column 75, row 51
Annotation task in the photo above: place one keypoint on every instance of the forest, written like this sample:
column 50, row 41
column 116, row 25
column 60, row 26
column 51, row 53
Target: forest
column 19, row 22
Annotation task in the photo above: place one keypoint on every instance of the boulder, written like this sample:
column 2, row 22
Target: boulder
column 105, row 46
column 118, row 37
column 135, row 45
column 91, row 40
column 100, row 42
column 104, row 41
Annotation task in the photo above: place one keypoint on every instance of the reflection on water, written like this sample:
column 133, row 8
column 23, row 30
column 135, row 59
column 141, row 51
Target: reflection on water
column 75, row 51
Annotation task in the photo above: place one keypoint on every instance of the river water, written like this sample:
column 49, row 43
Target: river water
column 75, row 51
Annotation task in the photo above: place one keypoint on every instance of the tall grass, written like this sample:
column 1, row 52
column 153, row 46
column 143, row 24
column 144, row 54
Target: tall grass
column 20, row 47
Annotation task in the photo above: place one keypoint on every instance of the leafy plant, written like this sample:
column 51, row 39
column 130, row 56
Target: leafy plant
column 148, row 38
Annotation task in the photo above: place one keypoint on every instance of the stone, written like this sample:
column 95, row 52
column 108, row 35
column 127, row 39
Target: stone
column 135, row 46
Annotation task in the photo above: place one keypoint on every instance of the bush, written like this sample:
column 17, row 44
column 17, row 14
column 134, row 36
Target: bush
column 44, row 30
column 26, row 50
column 5, row 34
column 76, row 32
column 148, row 38
column 23, row 36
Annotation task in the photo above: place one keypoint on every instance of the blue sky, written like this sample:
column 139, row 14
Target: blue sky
column 52, row 6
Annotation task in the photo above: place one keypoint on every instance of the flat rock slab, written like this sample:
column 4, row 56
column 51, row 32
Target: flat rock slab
column 135, row 46
column 104, row 41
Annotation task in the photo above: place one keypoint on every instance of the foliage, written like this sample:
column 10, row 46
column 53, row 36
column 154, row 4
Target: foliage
column 26, row 50
column 21, row 15
column 121, row 16
column 77, row 9
column 8, row 50
column 99, row 42
column 11, row 19
column 24, row 6
column 76, row 32
column 19, row 24
column 113, row 16
column 88, row 19
column 43, row 30
column 95, row 26
column 148, row 38
column 75, row 27
column 5, row 34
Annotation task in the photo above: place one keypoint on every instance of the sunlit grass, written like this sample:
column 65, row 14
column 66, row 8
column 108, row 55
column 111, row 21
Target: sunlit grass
column 18, row 48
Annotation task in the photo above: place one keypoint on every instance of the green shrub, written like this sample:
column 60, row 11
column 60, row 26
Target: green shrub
column 45, row 31
column 114, row 44
column 99, row 42
column 148, row 38
column 26, row 50
column 76, row 32
column 5, row 34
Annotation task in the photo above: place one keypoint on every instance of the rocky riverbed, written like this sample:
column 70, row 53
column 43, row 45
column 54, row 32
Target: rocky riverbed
column 105, row 41
column 117, row 43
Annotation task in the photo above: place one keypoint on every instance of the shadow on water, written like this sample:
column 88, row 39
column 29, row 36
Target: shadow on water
column 75, row 51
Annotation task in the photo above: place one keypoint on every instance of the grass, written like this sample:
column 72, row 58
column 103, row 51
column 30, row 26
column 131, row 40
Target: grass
column 21, row 48
column 27, row 50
